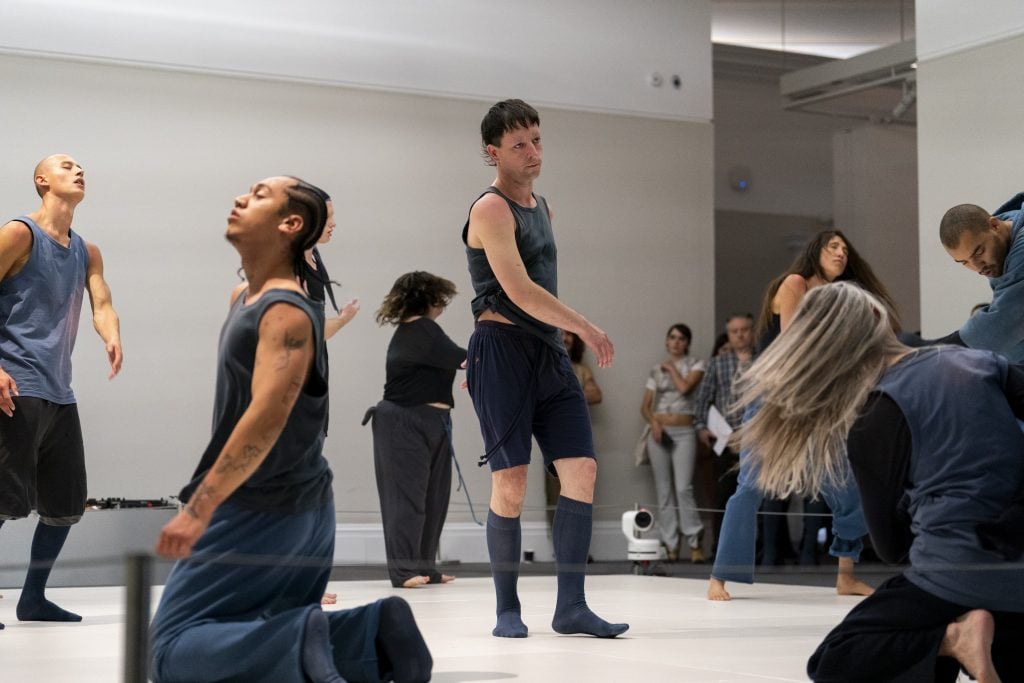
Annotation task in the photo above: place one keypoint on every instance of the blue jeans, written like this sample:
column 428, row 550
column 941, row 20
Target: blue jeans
column 734, row 560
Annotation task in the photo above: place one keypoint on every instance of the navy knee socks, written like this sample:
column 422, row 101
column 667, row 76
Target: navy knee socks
column 571, row 536
column 504, row 546
column 33, row 605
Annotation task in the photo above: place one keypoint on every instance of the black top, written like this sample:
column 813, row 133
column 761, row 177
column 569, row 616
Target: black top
column 770, row 334
column 294, row 477
column 880, row 450
column 421, row 364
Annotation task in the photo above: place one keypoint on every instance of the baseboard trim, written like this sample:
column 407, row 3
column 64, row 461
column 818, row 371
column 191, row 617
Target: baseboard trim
column 466, row 542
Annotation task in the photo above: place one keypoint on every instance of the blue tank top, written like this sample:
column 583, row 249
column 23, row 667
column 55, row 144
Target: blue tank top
column 294, row 477
column 536, row 243
column 39, row 309
column 965, row 468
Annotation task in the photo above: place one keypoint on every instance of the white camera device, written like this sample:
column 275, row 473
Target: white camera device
column 639, row 549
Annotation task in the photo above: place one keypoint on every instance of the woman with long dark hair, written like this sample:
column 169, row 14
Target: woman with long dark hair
column 412, row 429
column 828, row 257
column 932, row 437
column 318, row 280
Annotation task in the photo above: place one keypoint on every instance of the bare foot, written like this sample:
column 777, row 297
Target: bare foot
column 846, row 581
column 416, row 582
column 716, row 590
column 329, row 599
column 969, row 641
column 447, row 578
column 848, row 584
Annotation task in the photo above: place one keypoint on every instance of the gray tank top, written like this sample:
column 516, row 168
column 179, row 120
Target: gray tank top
column 294, row 477
column 40, row 307
column 536, row 243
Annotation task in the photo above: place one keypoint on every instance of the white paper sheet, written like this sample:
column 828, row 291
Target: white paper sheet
column 720, row 428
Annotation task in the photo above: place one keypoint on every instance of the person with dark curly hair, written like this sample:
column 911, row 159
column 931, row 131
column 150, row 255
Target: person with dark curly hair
column 412, row 427
column 828, row 257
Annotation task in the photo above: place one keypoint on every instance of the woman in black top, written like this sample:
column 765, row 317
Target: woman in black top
column 412, row 446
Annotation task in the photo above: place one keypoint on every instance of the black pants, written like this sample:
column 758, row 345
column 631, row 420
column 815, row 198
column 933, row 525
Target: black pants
column 42, row 462
column 412, row 457
column 894, row 635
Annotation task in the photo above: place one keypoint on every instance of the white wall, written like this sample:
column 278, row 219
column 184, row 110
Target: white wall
column 875, row 177
column 945, row 27
column 968, row 138
column 576, row 54
column 166, row 152
column 789, row 153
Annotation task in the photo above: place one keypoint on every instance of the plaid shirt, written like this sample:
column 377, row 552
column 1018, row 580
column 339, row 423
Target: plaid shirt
column 717, row 388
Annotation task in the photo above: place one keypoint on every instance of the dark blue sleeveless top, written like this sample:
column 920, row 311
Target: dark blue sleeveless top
column 294, row 477
column 536, row 243
column 965, row 468
column 39, row 309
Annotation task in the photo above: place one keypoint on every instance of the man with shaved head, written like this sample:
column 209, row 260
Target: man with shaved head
column 991, row 245
column 45, row 268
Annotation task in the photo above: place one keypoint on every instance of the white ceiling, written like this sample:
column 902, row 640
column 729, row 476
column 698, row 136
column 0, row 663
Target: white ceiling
column 830, row 28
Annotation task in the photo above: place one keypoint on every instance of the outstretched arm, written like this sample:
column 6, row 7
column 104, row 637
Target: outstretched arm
column 284, row 354
column 344, row 317
column 492, row 225
column 104, row 317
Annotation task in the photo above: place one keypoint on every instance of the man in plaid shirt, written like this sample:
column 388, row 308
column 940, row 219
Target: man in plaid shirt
column 717, row 389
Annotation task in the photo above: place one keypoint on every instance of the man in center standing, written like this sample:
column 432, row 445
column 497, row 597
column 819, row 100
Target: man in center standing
column 519, row 375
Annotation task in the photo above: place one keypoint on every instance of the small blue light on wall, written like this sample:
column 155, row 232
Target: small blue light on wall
column 740, row 178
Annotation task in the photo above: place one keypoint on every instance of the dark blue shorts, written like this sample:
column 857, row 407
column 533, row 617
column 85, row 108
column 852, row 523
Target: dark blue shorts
column 521, row 388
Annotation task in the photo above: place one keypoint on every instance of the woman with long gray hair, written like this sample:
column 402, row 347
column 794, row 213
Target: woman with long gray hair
column 933, row 441
column 828, row 257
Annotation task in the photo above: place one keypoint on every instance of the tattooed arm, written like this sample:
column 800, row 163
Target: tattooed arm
column 284, row 354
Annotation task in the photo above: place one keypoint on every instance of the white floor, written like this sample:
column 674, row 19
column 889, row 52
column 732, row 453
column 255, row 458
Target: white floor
column 765, row 633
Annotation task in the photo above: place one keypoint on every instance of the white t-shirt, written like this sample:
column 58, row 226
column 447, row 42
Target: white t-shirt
column 668, row 399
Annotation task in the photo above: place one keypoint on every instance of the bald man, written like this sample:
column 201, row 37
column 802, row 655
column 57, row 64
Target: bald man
column 45, row 267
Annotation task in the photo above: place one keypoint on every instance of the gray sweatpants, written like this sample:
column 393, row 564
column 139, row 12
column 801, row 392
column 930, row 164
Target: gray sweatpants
column 672, row 468
column 412, row 457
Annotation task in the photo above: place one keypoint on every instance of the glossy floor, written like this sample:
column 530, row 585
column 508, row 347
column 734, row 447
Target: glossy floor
column 765, row 634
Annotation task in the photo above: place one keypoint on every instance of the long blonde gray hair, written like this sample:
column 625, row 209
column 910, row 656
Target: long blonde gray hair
column 809, row 386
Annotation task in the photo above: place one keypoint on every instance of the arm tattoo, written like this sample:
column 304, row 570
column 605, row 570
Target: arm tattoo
column 230, row 462
column 290, row 344
column 204, row 493
column 292, row 392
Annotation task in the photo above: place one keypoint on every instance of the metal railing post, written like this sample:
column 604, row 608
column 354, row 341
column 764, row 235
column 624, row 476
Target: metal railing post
column 138, row 581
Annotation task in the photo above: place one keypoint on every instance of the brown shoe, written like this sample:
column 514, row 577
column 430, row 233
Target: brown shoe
column 673, row 555
column 696, row 556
